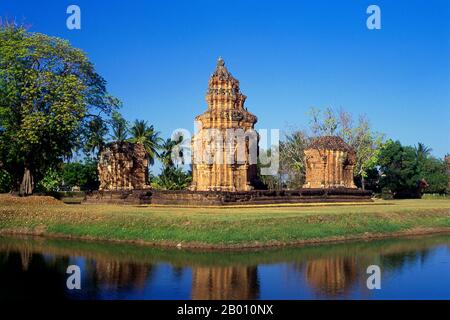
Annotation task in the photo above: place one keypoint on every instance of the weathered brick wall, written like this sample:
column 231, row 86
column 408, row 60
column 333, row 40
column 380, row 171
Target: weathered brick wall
column 329, row 164
column 221, row 198
column 122, row 166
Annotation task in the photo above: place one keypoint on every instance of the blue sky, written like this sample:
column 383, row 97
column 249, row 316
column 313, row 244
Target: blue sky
column 289, row 56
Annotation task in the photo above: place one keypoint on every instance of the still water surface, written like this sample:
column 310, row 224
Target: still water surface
column 412, row 268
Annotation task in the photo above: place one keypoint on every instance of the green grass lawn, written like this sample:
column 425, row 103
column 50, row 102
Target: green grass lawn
column 224, row 227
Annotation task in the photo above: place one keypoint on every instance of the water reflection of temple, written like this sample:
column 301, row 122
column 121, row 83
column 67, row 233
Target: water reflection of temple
column 332, row 276
column 225, row 283
column 31, row 268
column 25, row 257
column 115, row 274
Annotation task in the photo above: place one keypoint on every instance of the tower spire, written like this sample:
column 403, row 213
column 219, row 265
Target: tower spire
column 220, row 62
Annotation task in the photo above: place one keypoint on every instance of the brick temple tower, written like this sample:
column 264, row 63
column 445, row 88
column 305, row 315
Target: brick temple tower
column 225, row 149
column 122, row 166
column 329, row 163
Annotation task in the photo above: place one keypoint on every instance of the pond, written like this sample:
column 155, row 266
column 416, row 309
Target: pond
column 411, row 268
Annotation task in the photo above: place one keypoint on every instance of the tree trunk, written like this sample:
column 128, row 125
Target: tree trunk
column 363, row 182
column 27, row 185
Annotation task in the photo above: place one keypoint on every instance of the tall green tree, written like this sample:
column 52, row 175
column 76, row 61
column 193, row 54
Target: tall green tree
column 80, row 174
column 142, row 133
column 270, row 182
column 400, row 170
column 434, row 171
column 367, row 145
column 405, row 169
column 422, row 154
column 49, row 92
column 119, row 127
column 431, row 169
column 171, row 176
column 166, row 155
column 323, row 122
column 360, row 136
column 422, row 151
column 292, row 154
column 95, row 133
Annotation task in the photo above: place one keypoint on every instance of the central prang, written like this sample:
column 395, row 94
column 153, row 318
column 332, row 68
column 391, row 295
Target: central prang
column 225, row 149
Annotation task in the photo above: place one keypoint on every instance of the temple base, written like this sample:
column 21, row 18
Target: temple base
column 133, row 197
column 223, row 198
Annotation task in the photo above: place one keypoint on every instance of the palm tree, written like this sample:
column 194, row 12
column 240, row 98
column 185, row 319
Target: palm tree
column 167, row 148
column 148, row 137
column 422, row 154
column 95, row 140
column 172, row 177
column 422, row 151
column 119, row 127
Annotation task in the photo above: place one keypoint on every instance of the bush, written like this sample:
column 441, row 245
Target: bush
column 83, row 175
column 436, row 196
column 408, row 172
column 51, row 181
column 69, row 175
column 5, row 181
column 386, row 194
column 435, row 173
column 172, row 178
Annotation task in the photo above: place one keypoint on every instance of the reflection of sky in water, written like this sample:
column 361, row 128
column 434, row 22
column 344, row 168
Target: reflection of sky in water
column 419, row 269
column 417, row 279
column 164, row 283
column 279, row 283
column 422, row 279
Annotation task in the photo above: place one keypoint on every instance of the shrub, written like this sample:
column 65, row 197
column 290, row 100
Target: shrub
column 79, row 174
column 51, row 181
column 172, row 178
column 5, row 181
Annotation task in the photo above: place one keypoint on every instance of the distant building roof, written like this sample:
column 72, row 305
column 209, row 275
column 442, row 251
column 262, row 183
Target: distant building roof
column 329, row 143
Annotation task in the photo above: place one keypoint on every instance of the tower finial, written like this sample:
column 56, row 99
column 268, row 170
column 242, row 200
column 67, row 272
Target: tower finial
column 220, row 62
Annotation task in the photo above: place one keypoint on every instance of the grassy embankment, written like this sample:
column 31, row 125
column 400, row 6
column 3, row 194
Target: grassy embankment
column 223, row 227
